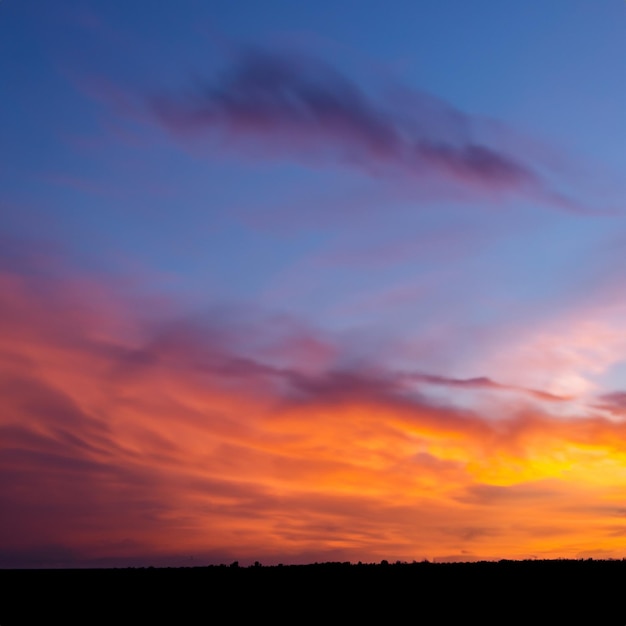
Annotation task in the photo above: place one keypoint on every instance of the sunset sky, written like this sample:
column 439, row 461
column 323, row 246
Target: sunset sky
column 312, row 281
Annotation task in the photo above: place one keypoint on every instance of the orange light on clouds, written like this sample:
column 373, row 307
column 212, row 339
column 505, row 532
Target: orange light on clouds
column 121, row 447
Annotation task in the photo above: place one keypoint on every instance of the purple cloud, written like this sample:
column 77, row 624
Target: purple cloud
column 482, row 382
column 300, row 106
column 614, row 402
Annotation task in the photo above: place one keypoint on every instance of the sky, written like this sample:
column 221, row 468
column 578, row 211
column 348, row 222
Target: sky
column 295, row 282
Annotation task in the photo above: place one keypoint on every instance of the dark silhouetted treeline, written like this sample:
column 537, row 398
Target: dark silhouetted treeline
column 555, row 592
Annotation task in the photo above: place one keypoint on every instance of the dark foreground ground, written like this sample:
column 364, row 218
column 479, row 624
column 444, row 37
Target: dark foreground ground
column 507, row 592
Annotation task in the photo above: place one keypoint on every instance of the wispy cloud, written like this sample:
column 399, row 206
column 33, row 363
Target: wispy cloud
column 302, row 108
column 132, row 435
column 614, row 402
column 483, row 382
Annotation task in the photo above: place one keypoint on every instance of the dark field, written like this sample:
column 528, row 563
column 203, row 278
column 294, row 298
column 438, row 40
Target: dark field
column 507, row 592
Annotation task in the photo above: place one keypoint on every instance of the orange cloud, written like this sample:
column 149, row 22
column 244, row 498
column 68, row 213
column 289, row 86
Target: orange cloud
column 129, row 439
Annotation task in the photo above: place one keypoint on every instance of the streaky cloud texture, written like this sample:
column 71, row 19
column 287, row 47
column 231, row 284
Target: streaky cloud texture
column 614, row 402
column 303, row 107
column 128, row 436
column 483, row 382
